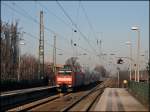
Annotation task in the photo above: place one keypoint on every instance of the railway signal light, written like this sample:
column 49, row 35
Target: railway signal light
column 120, row 61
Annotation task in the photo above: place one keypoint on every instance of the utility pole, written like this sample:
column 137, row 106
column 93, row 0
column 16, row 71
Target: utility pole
column 19, row 53
column 41, row 47
column 54, row 55
column 100, row 48
column 138, row 56
column 135, row 72
column 19, row 50
column 118, row 76
column 138, row 51
column 130, row 62
column 130, row 57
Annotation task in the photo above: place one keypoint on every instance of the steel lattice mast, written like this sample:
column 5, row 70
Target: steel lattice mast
column 54, row 55
column 41, row 47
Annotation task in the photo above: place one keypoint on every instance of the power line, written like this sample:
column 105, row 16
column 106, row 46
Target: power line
column 57, row 47
column 25, row 15
column 31, row 18
column 65, row 13
column 34, row 20
column 75, row 26
column 91, row 27
column 49, row 11
column 88, row 20
column 45, row 41
column 83, row 49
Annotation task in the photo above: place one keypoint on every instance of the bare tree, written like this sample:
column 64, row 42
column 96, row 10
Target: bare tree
column 9, row 50
column 73, row 63
column 29, row 67
column 101, row 70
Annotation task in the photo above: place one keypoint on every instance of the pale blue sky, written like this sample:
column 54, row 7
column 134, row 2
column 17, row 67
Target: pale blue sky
column 113, row 18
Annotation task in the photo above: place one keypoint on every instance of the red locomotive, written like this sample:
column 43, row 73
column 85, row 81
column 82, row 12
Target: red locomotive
column 69, row 78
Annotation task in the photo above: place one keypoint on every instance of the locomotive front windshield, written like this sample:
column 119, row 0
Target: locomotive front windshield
column 65, row 72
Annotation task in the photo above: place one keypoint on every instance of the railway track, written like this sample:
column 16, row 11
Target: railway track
column 86, row 102
column 79, row 101
column 53, row 103
column 83, row 103
column 35, row 104
column 60, row 103
column 12, row 99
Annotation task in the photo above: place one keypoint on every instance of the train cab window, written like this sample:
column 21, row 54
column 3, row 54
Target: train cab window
column 65, row 72
column 67, row 67
column 78, row 70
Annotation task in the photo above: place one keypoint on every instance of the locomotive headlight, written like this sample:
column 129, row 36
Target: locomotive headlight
column 57, row 85
column 69, row 85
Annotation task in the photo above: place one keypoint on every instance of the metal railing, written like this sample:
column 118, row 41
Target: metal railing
column 141, row 89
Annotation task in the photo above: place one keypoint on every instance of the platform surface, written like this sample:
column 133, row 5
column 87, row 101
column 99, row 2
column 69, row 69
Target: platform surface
column 8, row 93
column 118, row 99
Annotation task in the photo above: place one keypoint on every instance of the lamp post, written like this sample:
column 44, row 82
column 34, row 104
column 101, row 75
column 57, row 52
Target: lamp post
column 20, row 43
column 130, row 46
column 138, row 50
column 112, row 54
column 118, row 76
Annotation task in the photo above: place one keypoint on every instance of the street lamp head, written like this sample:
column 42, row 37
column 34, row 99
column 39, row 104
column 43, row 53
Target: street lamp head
column 60, row 54
column 128, row 43
column 112, row 54
column 22, row 43
column 84, row 54
column 134, row 28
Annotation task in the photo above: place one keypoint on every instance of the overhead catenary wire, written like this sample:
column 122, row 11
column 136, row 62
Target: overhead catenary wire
column 68, row 25
column 59, row 18
column 88, row 20
column 29, row 34
column 26, row 15
column 45, row 41
column 92, row 29
column 34, row 20
column 85, row 38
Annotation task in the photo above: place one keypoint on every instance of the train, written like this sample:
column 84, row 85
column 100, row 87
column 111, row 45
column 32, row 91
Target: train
column 69, row 78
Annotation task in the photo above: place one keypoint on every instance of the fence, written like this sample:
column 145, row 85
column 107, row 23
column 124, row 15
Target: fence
column 141, row 89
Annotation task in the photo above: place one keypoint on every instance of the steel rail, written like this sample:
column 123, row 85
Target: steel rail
column 100, row 87
column 80, row 99
column 37, row 103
